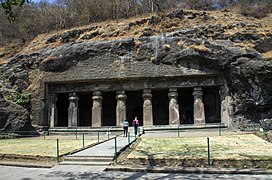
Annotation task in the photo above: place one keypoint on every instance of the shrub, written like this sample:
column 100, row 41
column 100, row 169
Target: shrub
column 23, row 100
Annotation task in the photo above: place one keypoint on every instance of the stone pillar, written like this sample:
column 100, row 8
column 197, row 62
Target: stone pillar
column 199, row 113
column 73, row 110
column 173, row 107
column 53, row 113
column 120, row 108
column 147, row 108
column 97, row 109
column 226, row 107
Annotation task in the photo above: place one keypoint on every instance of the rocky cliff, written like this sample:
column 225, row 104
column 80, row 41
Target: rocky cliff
column 239, row 47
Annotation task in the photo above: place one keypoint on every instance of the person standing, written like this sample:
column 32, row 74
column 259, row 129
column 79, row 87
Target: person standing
column 135, row 125
column 126, row 124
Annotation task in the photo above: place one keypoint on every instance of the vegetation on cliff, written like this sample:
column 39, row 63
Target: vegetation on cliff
column 237, row 45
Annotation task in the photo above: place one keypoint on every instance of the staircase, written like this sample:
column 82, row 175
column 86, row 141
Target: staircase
column 88, row 160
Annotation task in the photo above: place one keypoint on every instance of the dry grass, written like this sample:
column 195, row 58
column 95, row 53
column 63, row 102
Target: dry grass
column 200, row 47
column 37, row 146
column 35, row 76
column 267, row 55
column 3, row 61
column 118, row 29
column 246, row 146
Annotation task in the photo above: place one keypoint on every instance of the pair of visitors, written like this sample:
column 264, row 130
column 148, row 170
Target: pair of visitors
column 135, row 124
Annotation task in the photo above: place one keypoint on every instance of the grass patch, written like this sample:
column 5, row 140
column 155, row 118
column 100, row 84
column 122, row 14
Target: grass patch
column 37, row 146
column 242, row 147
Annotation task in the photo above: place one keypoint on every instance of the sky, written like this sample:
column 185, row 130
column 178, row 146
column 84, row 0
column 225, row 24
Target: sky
column 40, row 0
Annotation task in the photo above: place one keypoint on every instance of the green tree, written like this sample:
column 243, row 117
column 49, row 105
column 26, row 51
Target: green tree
column 8, row 4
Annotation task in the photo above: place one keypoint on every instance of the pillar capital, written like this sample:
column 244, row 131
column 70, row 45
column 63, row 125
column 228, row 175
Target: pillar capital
column 172, row 95
column 97, row 93
column 54, row 98
column 198, row 92
column 97, row 96
column 173, row 89
column 120, row 95
column 147, row 94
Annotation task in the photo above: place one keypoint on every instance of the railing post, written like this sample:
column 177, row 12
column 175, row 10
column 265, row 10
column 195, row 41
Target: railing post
column 219, row 126
column 209, row 158
column 76, row 133
column 264, row 126
column 43, row 135
column 128, row 137
column 178, row 131
column 83, row 140
column 57, row 150
column 108, row 133
column 115, row 148
column 97, row 136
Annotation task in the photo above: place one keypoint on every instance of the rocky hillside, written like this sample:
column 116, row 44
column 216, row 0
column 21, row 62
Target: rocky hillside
column 238, row 46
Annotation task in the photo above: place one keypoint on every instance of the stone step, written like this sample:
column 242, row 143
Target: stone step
column 89, row 158
column 90, row 163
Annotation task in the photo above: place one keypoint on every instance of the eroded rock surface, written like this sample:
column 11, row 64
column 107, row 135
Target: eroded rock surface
column 247, row 71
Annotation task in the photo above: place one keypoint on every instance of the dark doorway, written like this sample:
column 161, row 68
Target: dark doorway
column 62, row 108
column 85, row 109
column 109, row 109
column 160, row 102
column 211, row 100
column 134, row 106
column 186, row 105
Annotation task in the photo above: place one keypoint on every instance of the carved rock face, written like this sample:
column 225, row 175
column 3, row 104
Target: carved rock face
column 201, row 50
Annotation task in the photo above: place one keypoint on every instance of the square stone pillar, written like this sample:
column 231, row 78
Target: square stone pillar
column 97, row 109
column 53, row 112
column 120, row 108
column 73, row 110
column 199, row 113
column 147, row 108
column 173, row 107
column 226, row 106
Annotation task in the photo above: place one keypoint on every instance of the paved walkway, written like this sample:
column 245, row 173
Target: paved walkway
column 96, row 158
column 21, row 173
column 104, row 149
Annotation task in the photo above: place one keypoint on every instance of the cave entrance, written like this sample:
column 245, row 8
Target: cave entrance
column 186, row 105
column 211, row 100
column 109, row 109
column 134, row 105
column 160, row 107
column 62, row 107
column 85, row 109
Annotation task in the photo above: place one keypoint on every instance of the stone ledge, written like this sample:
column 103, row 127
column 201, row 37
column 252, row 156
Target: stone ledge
column 152, row 169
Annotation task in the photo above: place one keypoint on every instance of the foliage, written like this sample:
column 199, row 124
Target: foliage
column 257, row 9
column 23, row 99
column 7, row 6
